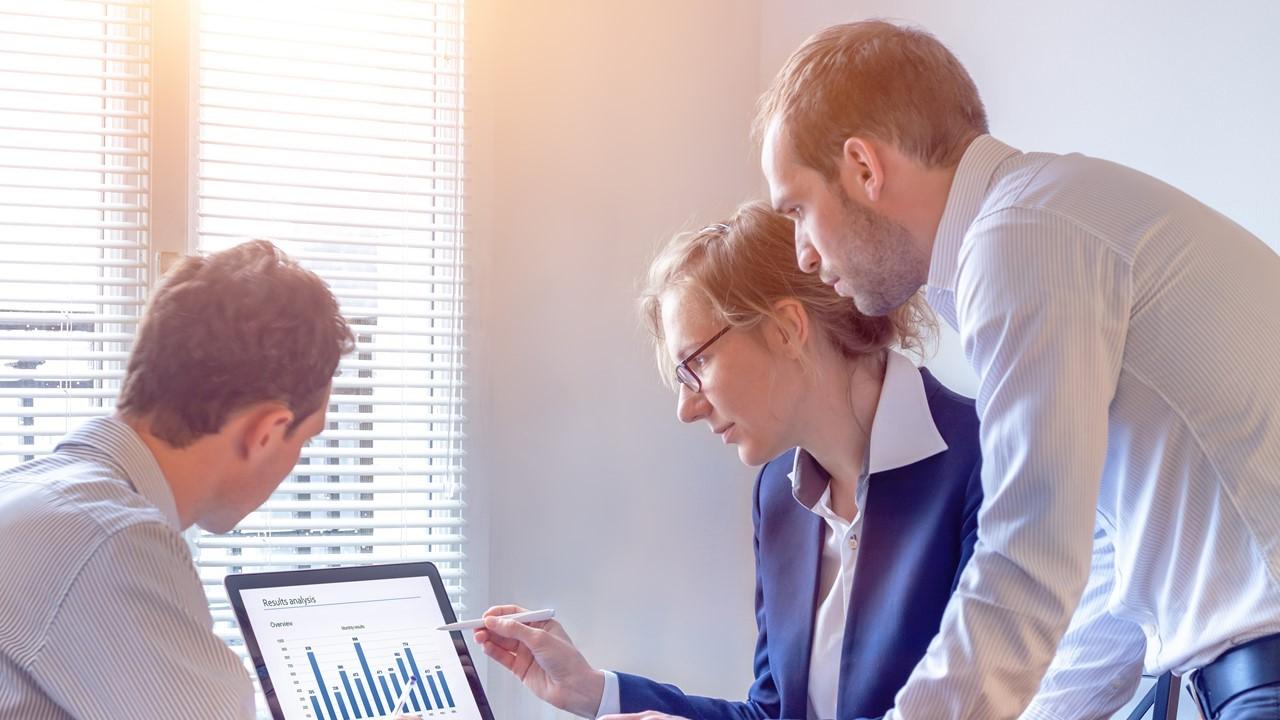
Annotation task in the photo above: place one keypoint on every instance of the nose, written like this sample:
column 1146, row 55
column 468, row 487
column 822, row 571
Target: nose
column 806, row 255
column 691, row 406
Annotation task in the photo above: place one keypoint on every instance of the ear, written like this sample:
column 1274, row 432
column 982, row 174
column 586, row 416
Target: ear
column 790, row 331
column 861, row 169
column 264, row 425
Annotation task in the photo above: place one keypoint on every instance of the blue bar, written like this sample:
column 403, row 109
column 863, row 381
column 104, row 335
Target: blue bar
column 413, row 697
column 391, row 699
column 351, row 694
column 316, row 704
column 365, row 698
column 369, row 674
column 341, row 705
column 395, row 684
column 432, row 682
column 315, row 668
column 422, row 690
column 444, row 685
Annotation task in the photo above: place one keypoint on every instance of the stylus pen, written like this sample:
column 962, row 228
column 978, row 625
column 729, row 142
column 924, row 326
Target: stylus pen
column 527, row 616
column 404, row 697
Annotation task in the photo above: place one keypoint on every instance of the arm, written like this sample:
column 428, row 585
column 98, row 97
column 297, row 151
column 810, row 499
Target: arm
column 133, row 635
column 1099, row 663
column 1043, row 310
column 543, row 657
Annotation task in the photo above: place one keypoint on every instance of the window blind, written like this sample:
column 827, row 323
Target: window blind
column 335, row 129
column 74, row 179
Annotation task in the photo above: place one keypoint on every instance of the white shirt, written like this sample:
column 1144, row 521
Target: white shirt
column 1128, row 351
column 902, row 433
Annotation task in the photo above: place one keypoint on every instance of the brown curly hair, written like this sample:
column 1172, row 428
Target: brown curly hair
column 227, row 330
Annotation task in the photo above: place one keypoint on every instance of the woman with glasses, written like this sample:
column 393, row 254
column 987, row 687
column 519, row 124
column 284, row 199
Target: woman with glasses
column 866, row 506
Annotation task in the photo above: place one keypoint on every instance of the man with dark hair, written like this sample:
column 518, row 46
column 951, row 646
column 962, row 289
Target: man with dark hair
column 103, row 614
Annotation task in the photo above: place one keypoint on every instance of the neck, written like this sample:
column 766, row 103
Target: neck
column 839, row 434
column 190, row 472
column 916, row 197
column 923, row 206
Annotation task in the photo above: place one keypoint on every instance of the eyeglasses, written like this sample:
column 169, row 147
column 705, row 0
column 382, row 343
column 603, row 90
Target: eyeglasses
column 685, row 375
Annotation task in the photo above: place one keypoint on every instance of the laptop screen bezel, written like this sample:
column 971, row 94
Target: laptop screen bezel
column 290, row 578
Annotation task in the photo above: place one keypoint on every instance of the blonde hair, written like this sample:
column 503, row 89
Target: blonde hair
column 877, row 80
column 741, row 269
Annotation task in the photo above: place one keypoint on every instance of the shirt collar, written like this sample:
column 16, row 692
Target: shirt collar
column 116, row 442
column 902, row 432
column 964, row 201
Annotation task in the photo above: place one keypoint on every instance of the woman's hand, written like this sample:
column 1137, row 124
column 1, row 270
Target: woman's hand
column 544, row 658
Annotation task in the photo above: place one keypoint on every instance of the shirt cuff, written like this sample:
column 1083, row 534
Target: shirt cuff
column 610, row 700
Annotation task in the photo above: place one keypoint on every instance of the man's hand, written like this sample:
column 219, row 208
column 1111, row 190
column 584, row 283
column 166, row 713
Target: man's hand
column 544, row 658
column 647, row 715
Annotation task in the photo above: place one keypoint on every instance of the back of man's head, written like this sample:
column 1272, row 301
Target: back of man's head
column 878, row 80
column 227, row 330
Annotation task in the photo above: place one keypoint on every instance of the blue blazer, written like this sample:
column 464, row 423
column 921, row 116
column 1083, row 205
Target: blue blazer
column 919, row 529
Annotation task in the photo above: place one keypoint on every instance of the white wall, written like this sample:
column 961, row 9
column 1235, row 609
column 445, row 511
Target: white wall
column 597, row 130
column 1185, row 91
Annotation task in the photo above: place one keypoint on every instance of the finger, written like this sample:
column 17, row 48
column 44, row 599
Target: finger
column 499, row 655
column 484, row 636
column 498, row 610
column 523, row 663
column 531, row 636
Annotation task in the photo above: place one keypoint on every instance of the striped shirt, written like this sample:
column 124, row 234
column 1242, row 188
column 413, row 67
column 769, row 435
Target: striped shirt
column 1128, row 356
column 102, row 614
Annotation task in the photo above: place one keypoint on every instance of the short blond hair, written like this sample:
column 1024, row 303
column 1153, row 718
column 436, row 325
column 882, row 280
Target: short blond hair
column 877, row 80
column 742, row 267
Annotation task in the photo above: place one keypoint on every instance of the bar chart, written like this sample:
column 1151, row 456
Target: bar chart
column 349, row 651
column 371, row 690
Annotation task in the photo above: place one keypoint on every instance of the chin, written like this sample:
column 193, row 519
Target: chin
column 872, row 305
column 882, row 301
column 218, row 526
column 754, row 457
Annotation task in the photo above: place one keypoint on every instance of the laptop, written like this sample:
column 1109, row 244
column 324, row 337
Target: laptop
column 348, row 643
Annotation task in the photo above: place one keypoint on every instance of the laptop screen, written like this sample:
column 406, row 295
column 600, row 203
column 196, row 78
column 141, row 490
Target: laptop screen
column 350, row 647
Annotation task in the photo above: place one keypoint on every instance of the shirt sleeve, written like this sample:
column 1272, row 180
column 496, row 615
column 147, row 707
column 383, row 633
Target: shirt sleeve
column 133, row 637
column 610, row 704
column 1099, row 662
column 1043, row 309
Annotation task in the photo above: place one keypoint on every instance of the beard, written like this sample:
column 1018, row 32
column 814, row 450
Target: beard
column 876, row 259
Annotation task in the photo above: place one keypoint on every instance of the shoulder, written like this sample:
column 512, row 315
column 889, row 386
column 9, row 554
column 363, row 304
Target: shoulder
column 1060, row 183
column 955, row 415
column 956, row 418
column 70, row 494
column 1076, row 199
column 774, row 480
column 60, row 519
